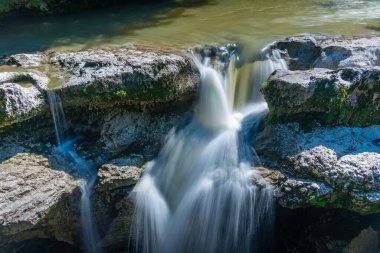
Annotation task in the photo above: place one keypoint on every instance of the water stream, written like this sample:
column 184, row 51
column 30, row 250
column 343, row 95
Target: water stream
column 202, row 193
column 65, row 147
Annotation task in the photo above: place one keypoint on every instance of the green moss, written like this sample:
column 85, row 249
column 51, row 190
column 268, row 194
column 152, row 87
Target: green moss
column 318, row 202
column 121, row 93
column 135, row 91
column 158, row 67
column 3, row 116
column 328, row 105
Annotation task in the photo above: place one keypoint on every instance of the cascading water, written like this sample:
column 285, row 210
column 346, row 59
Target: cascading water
column 59, row 120
column 202, row 193
column 65, row 147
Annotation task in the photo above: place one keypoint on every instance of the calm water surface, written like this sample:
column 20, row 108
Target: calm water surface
column 171, row 25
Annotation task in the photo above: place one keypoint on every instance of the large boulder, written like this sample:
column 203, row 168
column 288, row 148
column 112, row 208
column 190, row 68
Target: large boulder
column 126, row 76
column 327, row 167
column 36, row 201
column 348, row 96
column 123, row 79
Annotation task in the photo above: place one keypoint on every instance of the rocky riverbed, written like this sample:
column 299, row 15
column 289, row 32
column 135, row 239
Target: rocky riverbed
column 319, row 145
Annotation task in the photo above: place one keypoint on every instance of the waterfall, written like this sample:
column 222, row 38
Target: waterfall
column 91, row 237
column 65, row 147
column 58, row 115
column 202, row 193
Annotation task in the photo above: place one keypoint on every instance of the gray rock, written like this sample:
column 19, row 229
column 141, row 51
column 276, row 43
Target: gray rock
column 35, row 201
column 120, row 173
column 347, row 96
column 302, row 50
column 316, row 51
column 336, row 167
column 112, row 206
column 25, row 60
column 142, row 131
column 125, row 76
column 21, row 96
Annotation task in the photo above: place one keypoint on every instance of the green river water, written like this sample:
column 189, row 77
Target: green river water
column 168, row 25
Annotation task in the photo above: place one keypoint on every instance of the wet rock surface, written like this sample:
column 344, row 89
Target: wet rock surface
column 337, row 167
column 21, row 96
column 331, row 81
column 24, row 60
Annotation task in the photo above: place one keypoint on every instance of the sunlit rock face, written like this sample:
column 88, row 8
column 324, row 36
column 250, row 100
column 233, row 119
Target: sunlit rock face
column 36, row 201
column 130, row 77
column 331, row 82
column 316, row 51
column 327, row 167
column 346, row 96
column 21, row 96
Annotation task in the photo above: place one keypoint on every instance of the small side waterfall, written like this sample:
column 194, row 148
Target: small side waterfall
column 58, row 115
column 202, row 193
column 91, row 237
column 65, row 147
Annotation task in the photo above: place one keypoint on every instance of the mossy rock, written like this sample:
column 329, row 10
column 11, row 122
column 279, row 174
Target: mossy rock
column 345, row 97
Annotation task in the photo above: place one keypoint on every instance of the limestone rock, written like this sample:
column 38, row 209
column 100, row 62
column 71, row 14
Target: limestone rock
column 120, row 173
column 112, row 205
column 347, row 96
column 21, row 95
column 316, row 51
column 36, row 201
column 327, row 167
column 25, row 60
column 125, row 76
column 142, row 131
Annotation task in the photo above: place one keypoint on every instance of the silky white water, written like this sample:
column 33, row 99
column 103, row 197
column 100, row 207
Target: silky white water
column 83, row 170
column 201, row 193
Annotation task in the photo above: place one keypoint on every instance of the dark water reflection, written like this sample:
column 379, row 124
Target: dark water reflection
column 163, row 24
column 28, row 34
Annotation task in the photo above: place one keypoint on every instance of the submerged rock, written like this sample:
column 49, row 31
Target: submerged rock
column 328, row 167
column 347, row 96
column 36, row 201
